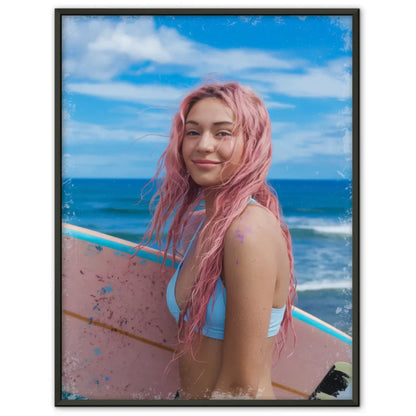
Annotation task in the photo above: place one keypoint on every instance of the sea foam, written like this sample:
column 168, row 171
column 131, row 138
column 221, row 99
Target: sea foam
column 324, row 285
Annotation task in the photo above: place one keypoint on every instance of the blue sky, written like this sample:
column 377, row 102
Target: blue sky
column 124, row 77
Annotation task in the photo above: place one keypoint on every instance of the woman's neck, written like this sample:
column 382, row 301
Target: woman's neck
column 209, row 197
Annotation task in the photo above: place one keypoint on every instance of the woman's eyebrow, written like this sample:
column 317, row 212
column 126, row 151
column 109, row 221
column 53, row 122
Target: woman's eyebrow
column 215, row 124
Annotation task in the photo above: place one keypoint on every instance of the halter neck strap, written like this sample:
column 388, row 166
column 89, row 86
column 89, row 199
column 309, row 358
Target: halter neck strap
column 193, row 237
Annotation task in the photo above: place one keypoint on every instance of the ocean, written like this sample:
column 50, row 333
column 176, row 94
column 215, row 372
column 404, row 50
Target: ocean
column 318, row 213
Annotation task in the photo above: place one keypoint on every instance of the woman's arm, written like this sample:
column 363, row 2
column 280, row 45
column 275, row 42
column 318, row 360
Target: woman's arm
column 253, row 248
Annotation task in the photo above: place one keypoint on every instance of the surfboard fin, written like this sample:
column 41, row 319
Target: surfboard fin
column 337, row 380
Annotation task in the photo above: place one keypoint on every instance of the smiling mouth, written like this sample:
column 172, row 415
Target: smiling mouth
column 205, row 162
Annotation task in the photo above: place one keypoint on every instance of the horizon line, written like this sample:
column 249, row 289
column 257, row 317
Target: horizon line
column 273, row 179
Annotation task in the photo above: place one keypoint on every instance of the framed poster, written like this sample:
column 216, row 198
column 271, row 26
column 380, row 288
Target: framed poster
column 121, row 77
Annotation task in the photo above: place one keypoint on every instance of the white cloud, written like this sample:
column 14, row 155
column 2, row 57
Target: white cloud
column 80, row 132
column 124, row 91
column 100, row 49
column 330, row 136
column 278, row 126
column 347, row 144
column 331, row 81
column 233, row 61
column 303, row 143
column 277, row 104
column 139, row 41
column 345, row 24
column 89, row 45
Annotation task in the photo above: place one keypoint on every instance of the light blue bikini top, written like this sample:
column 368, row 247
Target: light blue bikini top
column 215, row 316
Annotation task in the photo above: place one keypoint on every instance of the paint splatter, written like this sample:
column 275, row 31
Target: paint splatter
column 96, row 351
column 248, row 229
column 122, row 321
column 99, row 248
column 240, row 236
column 90, row 322
column 143, row 262
column 236, row 262
column 100, row 278
column 105, row 290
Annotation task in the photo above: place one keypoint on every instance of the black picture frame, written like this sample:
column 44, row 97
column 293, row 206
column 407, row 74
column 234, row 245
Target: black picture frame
column 354, row 13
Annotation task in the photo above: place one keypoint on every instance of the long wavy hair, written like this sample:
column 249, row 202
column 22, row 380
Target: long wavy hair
column 178, row 197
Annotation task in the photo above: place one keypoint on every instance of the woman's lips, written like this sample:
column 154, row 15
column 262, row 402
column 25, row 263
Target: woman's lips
column 204, row 163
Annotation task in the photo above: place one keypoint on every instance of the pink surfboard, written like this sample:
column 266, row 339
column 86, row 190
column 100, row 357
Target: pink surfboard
column 118, row 335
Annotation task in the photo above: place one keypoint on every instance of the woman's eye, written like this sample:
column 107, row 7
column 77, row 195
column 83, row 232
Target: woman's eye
column 191, row 133
column 224, row 133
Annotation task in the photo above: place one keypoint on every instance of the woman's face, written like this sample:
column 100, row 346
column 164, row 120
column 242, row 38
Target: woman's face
column 209, row 149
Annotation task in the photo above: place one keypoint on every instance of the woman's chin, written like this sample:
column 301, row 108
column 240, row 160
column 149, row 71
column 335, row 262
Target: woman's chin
column 206, row 182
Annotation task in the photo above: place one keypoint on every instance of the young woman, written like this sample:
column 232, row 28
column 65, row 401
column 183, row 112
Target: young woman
column 233, row 290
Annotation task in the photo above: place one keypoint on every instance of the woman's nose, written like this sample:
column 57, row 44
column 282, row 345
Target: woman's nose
column 206, row 142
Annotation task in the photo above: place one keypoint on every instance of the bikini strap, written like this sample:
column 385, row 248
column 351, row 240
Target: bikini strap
column 251, row 201
column 193, row 238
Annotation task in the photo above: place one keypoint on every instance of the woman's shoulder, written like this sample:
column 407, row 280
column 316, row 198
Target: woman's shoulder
column 254, row 255
column 256, row 225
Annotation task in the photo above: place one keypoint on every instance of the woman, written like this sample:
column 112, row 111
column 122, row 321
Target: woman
column 233, row 291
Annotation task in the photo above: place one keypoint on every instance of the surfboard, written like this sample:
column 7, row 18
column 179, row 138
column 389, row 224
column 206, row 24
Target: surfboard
column 118, row 336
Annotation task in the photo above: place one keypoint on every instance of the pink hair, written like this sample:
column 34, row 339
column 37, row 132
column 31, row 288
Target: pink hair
column 178, row 197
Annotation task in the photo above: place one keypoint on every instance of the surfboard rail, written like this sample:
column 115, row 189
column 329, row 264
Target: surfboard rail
column 110, row 300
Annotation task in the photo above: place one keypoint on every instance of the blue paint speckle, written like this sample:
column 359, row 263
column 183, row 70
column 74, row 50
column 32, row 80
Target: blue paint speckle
column 99, row 248
column 105, row 290
column 96, row 351
column 90, row 322
column 143, row 262
column 107, row 378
